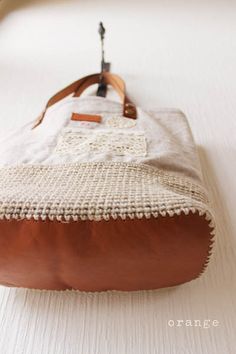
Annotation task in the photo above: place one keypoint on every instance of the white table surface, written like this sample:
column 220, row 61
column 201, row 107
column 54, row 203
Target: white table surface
column 171, row 54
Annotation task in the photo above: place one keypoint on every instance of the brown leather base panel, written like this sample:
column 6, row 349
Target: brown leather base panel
column 103, row 255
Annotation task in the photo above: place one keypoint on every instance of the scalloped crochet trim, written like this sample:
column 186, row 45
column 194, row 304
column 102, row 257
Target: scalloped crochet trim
column 212, row 235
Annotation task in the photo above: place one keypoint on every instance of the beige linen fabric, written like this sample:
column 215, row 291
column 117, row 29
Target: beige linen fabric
column 170, row 145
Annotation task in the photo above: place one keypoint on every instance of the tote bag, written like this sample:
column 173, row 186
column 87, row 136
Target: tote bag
column 102, row 195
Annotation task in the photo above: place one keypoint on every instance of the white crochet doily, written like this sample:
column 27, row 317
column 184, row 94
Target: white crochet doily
column 120, row 122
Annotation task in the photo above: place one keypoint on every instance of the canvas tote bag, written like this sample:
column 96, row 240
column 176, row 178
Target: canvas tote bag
column 102, row 195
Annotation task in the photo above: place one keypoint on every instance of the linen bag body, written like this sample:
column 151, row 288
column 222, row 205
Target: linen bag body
column 102, row 202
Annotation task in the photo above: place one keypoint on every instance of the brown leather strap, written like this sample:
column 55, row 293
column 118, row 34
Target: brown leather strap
column 78, row 87
column 129, row 110
column 109, row 79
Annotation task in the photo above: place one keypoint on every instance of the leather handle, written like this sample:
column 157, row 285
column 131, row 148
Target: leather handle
column 129, row 110
column 78, row 87
column 109, row 79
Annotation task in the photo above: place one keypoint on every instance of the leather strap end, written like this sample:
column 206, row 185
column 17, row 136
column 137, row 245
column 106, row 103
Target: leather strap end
column 130, row 110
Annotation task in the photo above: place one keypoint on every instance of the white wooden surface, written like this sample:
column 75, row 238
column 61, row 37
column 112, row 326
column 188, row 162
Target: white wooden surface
column 171, row 53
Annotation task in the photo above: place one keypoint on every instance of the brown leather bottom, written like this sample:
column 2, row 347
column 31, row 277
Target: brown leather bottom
column 103, row 255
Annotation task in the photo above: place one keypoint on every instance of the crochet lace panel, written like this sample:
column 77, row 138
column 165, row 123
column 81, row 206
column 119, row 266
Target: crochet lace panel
column 87, row 140
column 96, row 191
